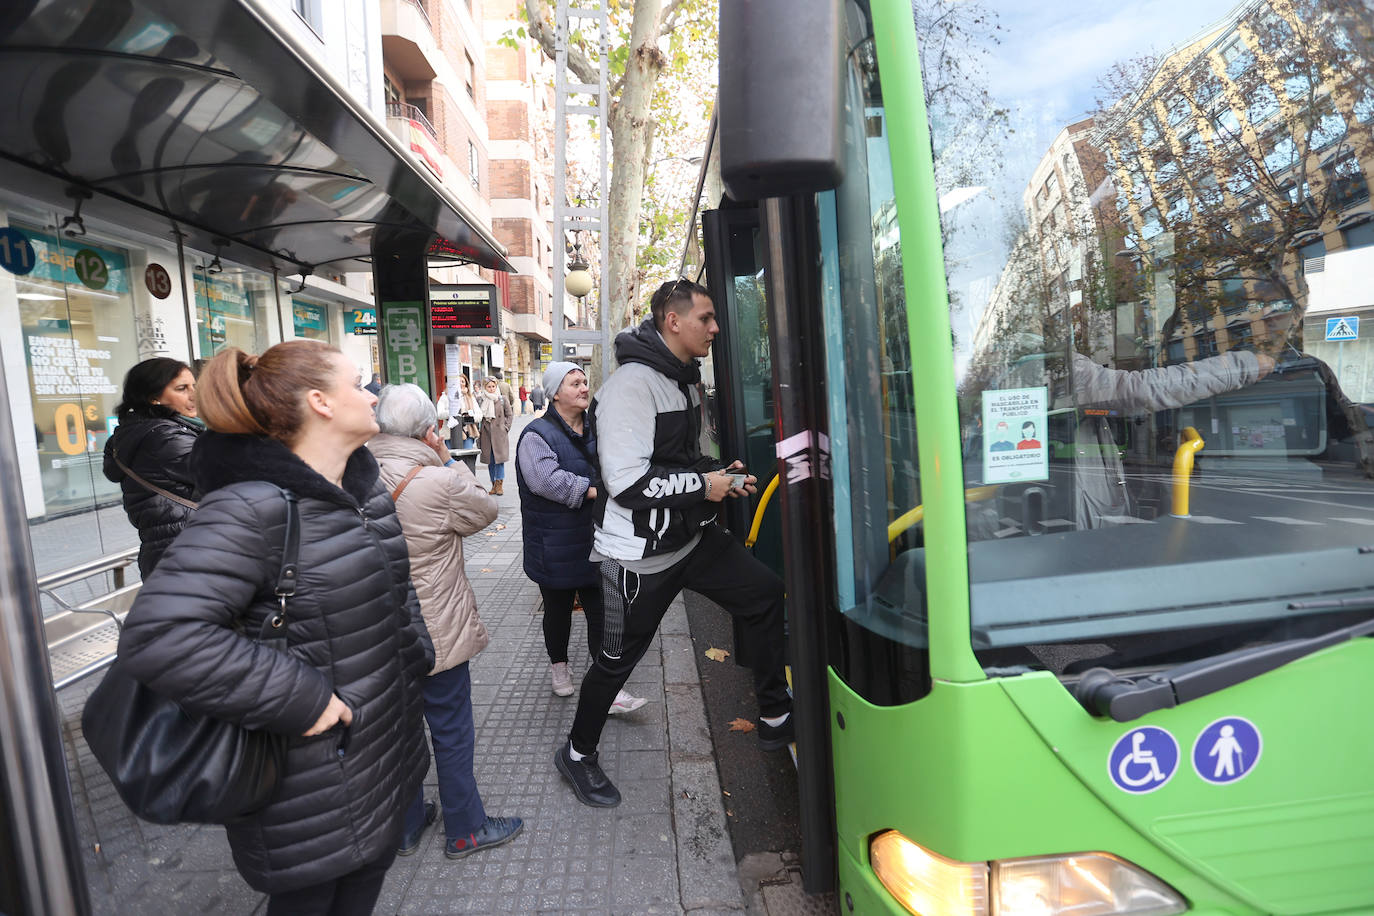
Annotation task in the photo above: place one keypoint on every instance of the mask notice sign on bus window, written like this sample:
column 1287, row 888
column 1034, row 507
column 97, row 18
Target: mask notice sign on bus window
column 1014, row 435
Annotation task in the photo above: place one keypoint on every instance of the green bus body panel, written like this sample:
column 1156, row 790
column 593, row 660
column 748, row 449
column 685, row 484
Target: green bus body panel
column 1296, row 833
column 1015, row 767
column 937, row 414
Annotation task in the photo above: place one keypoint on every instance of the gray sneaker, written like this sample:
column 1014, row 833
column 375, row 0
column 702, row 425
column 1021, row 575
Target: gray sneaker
column 562, row 679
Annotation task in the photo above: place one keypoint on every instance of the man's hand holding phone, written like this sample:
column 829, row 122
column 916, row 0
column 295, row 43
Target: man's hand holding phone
column 733, row 481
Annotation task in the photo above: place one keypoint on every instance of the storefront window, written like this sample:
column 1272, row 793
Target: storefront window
column 311, row 320
column 232, row 306
column 76, row 315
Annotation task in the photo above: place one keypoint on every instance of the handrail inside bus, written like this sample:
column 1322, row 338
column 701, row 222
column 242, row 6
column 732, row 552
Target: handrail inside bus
column 1183, row 469
column 913, row 517
column 758, row 512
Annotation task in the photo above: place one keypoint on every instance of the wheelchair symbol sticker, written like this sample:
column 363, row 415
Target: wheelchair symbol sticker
column 1143, row 759
column 1227, row 750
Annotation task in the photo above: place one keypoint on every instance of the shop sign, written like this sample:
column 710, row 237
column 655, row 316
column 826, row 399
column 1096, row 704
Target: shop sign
column 16, row 253
column 360, row 321
column 223, row 296
column 307, row 317
column 91, row 268
column 158, row 281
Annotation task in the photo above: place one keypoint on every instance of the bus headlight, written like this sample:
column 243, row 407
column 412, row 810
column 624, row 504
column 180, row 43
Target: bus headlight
column 1089, row 884
column 928, row 884
column 1086, row 884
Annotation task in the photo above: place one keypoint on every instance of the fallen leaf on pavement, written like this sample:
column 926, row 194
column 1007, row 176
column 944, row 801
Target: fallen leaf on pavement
column 741, row 725
column 486, row 569
column 500, row 527
column 717, row 655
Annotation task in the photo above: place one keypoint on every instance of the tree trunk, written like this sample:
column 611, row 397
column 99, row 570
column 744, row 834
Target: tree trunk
column 631, row 128
column 632, row 132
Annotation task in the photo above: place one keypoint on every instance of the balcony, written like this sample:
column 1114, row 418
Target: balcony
column 408, row 44
column 410, row 124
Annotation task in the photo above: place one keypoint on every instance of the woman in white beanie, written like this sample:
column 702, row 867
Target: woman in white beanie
column 557, row 476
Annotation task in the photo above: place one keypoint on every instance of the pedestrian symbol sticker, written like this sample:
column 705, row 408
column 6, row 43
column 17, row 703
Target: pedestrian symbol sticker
column 1227, row 750
column 1347, row 328
column 1143, row 759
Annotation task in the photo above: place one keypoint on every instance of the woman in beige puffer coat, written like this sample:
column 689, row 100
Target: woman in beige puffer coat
column 439, row 503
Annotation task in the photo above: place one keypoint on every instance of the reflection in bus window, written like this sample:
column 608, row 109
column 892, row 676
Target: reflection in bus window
column 1141, row 243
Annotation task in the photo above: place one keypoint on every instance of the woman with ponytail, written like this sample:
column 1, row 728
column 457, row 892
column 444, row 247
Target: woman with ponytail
column 347, row 686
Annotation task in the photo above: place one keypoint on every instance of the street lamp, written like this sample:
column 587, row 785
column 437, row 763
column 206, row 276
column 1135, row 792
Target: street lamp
column 579, row 278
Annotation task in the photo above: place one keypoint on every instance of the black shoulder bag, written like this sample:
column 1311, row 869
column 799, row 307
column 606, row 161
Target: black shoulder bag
column 170, row 766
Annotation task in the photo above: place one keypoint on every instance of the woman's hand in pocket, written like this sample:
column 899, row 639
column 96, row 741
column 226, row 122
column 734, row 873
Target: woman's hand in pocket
column 337, row 711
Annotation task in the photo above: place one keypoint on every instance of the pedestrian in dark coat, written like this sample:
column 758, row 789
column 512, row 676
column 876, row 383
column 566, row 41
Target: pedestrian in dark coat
column 557, row 474
column 348, row 688
column 495, row 439
column 157, row 427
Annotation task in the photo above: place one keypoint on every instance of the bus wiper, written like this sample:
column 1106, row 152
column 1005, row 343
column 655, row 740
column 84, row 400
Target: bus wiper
column 1103, row 693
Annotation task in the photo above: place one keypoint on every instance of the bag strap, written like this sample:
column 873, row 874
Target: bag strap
column 290, row 559
column 152, row 487
column 400, row 487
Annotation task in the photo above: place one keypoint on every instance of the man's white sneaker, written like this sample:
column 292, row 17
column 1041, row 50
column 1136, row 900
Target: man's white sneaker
column 625, row 702
column 562, row 679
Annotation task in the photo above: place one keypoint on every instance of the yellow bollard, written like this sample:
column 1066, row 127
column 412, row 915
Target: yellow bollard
column 1183, row 469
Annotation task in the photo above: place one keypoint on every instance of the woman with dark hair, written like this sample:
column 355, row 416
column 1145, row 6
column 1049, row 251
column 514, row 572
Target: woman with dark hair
column 347, row 686
column 149, row 454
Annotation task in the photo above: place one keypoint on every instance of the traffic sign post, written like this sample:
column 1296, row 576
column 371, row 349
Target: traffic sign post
column 1340, row 330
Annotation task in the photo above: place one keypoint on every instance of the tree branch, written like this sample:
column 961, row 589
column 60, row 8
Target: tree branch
column 541, row 29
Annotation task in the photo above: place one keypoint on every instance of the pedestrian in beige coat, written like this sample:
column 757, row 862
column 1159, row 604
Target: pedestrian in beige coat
column 495, row 440
column 439, row 503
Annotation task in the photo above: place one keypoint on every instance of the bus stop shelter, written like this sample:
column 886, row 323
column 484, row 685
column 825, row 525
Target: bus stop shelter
column 206, row 122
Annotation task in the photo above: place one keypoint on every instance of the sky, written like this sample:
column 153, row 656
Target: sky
column 1046, row 70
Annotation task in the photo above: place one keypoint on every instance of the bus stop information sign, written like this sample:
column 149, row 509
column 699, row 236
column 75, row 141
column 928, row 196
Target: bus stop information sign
column 465, row 310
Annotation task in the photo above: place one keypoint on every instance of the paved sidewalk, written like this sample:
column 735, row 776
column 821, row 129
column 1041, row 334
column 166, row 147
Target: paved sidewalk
column 665, row 849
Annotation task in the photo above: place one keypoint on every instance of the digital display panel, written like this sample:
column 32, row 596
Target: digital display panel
column 465, row 310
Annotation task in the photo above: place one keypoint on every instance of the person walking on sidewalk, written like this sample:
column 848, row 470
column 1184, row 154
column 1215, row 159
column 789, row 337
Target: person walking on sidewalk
column 439, row 504
column 524, row 399
column 556, row 474
column 537, row 399
column 655, row 533
column 495, row 438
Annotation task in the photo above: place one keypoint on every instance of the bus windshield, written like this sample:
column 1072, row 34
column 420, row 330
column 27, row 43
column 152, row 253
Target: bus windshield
column 1158, row 243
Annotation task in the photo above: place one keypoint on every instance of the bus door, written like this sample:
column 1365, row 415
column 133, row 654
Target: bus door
column 742, row 364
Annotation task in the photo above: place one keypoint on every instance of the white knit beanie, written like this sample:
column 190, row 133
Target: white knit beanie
column 553, row 377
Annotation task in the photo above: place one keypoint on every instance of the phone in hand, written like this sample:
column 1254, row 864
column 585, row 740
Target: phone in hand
column 737, row 479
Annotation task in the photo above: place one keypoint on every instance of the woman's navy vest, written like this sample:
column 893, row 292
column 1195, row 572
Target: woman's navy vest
column 558, row 540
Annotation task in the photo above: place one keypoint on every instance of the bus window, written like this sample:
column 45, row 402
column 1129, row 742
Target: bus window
column 1125, row 234
column 873, row 420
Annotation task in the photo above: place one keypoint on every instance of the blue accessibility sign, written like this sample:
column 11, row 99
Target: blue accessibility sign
column 1347, row 328
column 1227, row 750
column 1143, row 759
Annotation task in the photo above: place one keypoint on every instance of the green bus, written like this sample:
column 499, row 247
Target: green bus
column 1048, row 317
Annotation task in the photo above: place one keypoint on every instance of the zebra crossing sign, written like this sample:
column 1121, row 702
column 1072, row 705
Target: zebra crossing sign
column 1347, row 328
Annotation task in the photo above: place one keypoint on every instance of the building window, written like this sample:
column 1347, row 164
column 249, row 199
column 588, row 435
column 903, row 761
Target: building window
column 309, row 11
column 1361, row 236
column 470, row 74
column 474, row 167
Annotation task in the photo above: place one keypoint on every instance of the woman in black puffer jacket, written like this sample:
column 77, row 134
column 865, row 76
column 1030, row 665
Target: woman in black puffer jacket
column 157, row 427
column 348, row 689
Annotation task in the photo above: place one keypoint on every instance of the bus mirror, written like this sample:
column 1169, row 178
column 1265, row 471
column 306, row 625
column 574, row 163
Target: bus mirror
column 781, row 99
